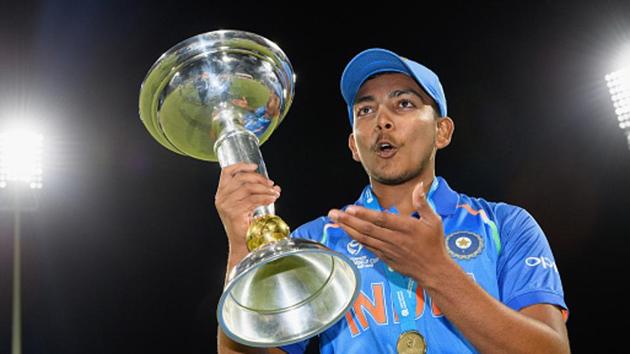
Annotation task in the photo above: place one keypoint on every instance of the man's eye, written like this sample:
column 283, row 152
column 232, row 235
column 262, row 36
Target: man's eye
column 405, row 104
column 364, row 110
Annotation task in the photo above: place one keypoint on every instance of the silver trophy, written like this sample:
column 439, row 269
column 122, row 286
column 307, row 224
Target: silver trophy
column 218, row 96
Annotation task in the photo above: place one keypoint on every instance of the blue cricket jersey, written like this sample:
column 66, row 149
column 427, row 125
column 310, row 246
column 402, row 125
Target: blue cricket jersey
column 499, row 245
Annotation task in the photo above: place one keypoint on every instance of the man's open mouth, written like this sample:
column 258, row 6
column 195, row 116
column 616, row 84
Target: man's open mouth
column 385, row 149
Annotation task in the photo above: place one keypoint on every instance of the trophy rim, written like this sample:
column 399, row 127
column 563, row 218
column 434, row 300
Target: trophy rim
column 300, row 246
column 148, row 100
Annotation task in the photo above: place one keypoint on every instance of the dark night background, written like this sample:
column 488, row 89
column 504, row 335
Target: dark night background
column 126, row 253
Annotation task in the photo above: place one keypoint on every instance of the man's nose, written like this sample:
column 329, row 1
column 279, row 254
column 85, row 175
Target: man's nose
column 384, row 120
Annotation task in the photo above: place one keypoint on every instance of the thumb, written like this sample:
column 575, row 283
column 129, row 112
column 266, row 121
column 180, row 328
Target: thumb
column 421, row 203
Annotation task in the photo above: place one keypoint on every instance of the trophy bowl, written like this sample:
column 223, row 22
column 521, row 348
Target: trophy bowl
column 216, row 97
column 187, row 94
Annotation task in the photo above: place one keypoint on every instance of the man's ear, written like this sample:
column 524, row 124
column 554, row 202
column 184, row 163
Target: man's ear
column 445, row 129
column 353, row 147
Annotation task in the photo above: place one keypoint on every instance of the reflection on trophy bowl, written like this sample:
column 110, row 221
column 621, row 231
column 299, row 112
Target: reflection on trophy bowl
column 214, row 83
column 217, row 97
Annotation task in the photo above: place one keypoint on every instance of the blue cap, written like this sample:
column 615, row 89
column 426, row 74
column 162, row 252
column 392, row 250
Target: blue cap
column 374, row 61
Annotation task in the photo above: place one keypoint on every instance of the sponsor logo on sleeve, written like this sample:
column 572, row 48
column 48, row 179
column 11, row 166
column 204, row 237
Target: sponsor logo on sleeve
column 542, row 261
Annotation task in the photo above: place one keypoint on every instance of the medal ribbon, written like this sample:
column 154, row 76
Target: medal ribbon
column 402, row 288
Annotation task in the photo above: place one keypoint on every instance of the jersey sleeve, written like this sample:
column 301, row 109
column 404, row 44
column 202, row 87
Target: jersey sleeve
column 526, row 269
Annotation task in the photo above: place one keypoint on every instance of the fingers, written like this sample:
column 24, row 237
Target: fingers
column 241, row 189
column 420, row 202
column 244, row 179
column 239, row 167
column 239, row 175
column 229, row 172
column 384, row 219
column 247, row 190
column 363, row 228
column 252, row 201
column 379, row 245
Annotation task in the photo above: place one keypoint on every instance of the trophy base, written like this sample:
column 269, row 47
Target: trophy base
column 285, row 292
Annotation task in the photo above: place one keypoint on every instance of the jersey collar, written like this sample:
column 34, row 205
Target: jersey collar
column 441, row 197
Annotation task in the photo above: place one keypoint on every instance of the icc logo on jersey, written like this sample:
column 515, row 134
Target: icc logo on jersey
column 354, row 247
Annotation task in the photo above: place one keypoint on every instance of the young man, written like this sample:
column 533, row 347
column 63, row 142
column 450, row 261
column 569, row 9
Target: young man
column 441, row 272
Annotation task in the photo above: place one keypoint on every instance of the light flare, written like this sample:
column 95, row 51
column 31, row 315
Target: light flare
column 21, row 158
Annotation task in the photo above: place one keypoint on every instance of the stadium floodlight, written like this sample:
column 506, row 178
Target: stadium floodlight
column 619, row 86
column 21, row 158
column 618, row 83
column 20, row 166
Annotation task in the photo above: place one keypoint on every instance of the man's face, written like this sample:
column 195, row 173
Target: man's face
column 396, row 129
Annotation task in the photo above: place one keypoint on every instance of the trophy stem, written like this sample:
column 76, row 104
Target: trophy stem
column 236, row 144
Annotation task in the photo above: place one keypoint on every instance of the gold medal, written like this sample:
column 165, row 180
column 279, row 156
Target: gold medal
column 411, row 342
